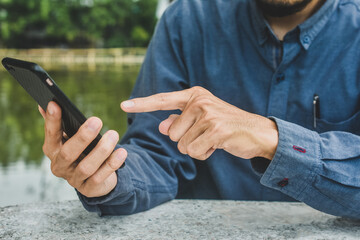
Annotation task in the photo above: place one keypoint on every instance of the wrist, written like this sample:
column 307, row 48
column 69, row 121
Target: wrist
column 268, row 139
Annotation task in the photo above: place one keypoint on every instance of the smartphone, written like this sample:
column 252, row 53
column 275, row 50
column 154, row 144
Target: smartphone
column 43, row 89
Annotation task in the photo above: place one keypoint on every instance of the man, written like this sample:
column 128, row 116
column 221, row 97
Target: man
column 273, row 81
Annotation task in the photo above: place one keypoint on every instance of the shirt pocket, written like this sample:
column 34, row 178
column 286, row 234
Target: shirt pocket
column 352, row 125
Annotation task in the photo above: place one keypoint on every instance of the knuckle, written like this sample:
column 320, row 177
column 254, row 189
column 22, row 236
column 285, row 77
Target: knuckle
column 65, row 156
column 113, row 163
column 104, row 148
column 198, row 90
column 89, row 193
column 181, row 148
column 96, row 180
column 48, row 131
column 214, row 126
column 45, row 149
column 84, row 192
column 83, row 170
column 84, row 136
column 209, row 117
column 162, row 100
column 173, row 135
column 217, row 127
column 72, row 182
column 55, row 170
column 202, row 102
column 174, row 116
column 191, row 151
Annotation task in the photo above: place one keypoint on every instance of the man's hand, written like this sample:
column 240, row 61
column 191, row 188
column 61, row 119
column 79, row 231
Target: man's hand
column 94, row 175
column 207, row 123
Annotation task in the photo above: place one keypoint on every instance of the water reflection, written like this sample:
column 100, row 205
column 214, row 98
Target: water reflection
column 96, row 93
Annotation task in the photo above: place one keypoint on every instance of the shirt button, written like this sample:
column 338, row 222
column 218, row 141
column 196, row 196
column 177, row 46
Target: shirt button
column 129, row 120
column 306, row 39
column 280, row 77
column 283, row 182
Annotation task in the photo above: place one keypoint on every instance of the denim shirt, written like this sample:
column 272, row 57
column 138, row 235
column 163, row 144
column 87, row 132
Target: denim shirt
column 228, row 48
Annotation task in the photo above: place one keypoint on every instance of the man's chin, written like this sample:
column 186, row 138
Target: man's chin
column 281, row 8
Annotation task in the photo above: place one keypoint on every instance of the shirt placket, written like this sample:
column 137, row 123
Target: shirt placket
column 283, row 54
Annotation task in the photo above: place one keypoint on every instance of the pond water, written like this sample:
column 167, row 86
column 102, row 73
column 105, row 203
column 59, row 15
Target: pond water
column 24, row 170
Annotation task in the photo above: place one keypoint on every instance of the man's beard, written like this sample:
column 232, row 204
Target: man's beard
column 277, row 8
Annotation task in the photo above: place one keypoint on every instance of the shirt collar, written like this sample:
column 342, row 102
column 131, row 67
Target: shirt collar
column 312, row 26
column 308, row 29
column 259, row 23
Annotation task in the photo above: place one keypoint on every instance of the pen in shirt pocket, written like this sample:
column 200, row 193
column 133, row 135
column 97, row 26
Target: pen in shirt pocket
column 316, row 108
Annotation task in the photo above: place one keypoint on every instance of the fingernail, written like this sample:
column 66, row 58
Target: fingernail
column 119, row 155
column 93, row 124
column 128, row 104
column 50, row 109
column 113, row 136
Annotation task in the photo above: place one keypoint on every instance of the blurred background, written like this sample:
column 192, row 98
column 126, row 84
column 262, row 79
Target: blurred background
column 93, row 49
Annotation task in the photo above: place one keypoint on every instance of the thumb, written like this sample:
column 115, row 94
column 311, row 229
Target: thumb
column 166, row 124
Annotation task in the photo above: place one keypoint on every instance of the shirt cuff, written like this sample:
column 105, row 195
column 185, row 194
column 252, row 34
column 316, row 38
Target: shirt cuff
column 123, row 187
column 296, row 161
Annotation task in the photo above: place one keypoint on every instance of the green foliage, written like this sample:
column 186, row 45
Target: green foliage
column 76, row 23
column 139, row 35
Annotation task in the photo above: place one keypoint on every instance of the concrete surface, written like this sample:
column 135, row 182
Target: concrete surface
column 179, row 219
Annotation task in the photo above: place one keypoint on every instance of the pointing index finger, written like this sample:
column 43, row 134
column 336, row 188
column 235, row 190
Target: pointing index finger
column 156, row 102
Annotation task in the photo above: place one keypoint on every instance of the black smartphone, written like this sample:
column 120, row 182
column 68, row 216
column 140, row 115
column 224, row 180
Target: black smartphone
column 43, row 89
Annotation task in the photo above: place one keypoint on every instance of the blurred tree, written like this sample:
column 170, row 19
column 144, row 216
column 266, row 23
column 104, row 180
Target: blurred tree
column 76, row 23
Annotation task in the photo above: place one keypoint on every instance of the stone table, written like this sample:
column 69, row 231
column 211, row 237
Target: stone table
column 179, row 219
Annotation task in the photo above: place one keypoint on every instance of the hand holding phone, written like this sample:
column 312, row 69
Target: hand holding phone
column 94, row 175
column 100, row 156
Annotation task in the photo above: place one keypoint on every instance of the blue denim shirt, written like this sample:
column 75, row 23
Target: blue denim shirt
column 228, row 48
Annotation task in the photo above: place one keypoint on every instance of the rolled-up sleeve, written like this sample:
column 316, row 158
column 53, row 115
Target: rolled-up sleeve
column 321, row 170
